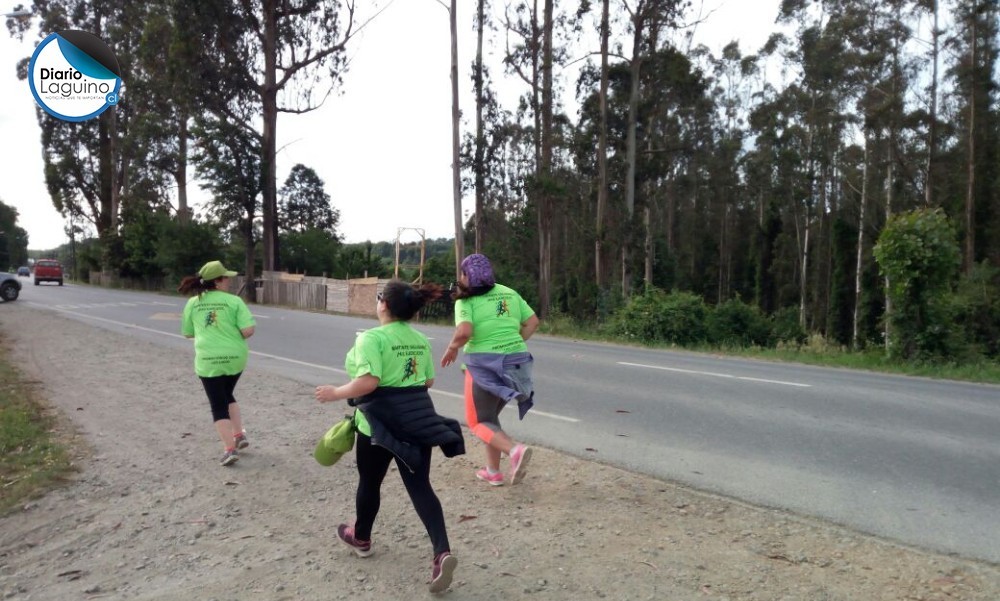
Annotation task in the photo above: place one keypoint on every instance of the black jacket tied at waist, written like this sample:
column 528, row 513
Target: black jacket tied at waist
column 403, row 421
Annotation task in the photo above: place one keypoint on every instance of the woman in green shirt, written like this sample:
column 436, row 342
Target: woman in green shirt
column 492, row 324
column 220, row 323
column 391, row 367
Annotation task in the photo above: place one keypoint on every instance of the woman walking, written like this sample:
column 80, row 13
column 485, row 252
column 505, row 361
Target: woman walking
column 220, row 323
column 391, row 367
column 493, row 322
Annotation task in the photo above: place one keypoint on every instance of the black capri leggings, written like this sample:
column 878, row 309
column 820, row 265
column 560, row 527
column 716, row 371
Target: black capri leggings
column 220, row 394
column 373, row 463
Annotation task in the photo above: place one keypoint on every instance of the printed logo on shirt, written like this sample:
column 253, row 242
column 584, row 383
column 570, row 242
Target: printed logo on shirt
column 502, row 308
column 211, row 318
column 410, row 368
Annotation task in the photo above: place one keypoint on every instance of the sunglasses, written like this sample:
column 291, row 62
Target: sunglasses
column 379, row 297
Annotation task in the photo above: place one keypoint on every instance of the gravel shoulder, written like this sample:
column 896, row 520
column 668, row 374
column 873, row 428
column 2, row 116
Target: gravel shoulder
column 151, row 515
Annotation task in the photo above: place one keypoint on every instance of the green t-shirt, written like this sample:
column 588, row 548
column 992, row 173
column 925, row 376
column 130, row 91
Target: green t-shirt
column 496, row 319
column 396, row 354
column 215, row 320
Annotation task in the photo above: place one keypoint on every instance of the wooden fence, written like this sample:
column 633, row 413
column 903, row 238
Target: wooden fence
column 354, row 297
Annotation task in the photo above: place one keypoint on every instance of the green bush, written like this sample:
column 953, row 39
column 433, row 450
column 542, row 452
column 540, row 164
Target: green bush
column 919, row 254
column 735, row 323
column 976, row 306
column 786, row 327
column 677, row 318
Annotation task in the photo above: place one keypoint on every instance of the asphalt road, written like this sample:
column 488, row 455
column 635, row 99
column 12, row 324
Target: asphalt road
column 910, row 459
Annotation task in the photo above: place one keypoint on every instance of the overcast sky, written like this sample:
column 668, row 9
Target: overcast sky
column 383, row 146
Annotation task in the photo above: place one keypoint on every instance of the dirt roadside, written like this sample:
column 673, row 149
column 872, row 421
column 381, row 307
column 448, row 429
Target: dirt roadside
column 151, row 515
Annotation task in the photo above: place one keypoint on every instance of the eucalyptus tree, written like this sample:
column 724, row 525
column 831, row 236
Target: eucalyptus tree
column 185, row 72
column 296, row 58
column 87, row 164
column 479, row 78
column 533, row 57
column 975, row 42
column 734, row 82
column 678, row 140
column 227, row 157
column 819, row 95
column 602, row 150
column 648, row 20
column 456, row 116
column 933, row 8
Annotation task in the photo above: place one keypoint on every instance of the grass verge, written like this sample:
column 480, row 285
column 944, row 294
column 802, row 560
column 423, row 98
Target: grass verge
column 816, row 352
column 31, row 459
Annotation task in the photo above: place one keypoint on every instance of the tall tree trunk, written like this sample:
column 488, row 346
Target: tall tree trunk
column 478, row 167
column 969, row 254
column 806, row 219
column 180, row 176
column 546, row 199
column 602, row 152
column 630, row 148
column 890, row 175
column 105, row 167
column 113, row 152
column 647, row 226
column 647, row 246
column 804, row 275
column 861, row 247
column 249, row 258
column 456, row 166
column 932, row 126
column 723, row 283
column 269, row 107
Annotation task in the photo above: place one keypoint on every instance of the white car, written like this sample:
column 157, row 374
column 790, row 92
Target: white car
column 10, row 288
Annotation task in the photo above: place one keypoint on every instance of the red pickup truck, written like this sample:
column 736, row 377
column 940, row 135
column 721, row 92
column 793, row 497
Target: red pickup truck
column 48, row 270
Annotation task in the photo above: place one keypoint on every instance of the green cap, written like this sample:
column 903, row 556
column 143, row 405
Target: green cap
column 214, row 270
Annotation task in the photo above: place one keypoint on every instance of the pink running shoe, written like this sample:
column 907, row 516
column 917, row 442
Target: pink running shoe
column 519, row 458
column 442, row 572
column 493, row 479
column 361, row 548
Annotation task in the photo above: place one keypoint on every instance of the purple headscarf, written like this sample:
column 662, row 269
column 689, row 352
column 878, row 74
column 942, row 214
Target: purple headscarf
column 479, row 271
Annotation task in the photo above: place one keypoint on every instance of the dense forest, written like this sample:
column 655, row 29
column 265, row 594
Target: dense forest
column 842, row 180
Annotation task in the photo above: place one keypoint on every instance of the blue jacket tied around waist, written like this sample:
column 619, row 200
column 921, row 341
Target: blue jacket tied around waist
column 403, row 421
column 507, row 377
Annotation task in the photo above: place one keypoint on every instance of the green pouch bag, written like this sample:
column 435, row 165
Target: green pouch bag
column 338, row 440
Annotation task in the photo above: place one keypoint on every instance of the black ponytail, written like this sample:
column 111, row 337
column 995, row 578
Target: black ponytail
column 404, row 300
column 194, row 283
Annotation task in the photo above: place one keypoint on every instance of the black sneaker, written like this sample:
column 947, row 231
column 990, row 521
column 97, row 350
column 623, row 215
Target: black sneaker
column 241, row 440
column 361, row 548
column 230, row 458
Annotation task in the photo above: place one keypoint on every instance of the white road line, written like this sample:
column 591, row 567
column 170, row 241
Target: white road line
column 286, row 359
column 715, row 375
column 572, row 420
column 297, row 362
column 775, row 382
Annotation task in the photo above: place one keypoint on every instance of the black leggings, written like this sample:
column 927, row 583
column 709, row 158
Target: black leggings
column 220, row 394
column 373, row 463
